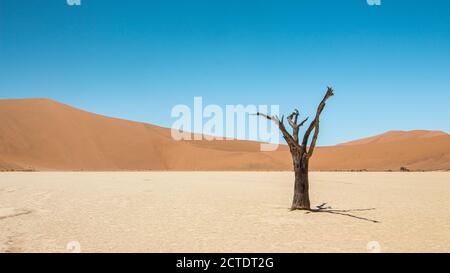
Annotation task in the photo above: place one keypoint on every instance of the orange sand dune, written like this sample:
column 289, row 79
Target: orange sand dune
column 41, row 134
column 393, row 136
column 415, row 154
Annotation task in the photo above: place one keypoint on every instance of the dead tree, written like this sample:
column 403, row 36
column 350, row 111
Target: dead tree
column 301, row 151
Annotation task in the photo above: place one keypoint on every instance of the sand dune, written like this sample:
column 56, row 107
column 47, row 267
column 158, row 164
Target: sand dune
column 394, row 136
column 42, row 134
column 414, row 154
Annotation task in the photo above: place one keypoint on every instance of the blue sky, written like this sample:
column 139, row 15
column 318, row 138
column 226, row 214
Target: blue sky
column 389, row 64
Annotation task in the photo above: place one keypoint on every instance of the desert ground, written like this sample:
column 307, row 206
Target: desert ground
column 222, row 212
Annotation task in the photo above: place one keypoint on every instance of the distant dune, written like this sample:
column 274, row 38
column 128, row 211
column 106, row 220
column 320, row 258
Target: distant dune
column 42, row 134
column 394, row 136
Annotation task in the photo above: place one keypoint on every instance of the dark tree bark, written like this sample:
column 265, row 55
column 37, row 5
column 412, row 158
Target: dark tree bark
column 301, row 153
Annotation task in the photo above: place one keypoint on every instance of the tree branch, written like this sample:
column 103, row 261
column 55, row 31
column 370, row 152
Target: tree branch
column 303, row 122
column 289, row 139
column 315, row 124
column 294, row 115
column 292, row 119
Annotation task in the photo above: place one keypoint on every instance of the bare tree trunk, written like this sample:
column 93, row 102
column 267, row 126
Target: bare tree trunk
column 301, row 153
column 301, row 184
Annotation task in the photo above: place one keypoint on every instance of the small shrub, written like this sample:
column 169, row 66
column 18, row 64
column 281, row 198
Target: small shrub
column 404, row 169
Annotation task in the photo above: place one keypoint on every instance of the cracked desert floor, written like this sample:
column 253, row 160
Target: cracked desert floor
column 222, row 212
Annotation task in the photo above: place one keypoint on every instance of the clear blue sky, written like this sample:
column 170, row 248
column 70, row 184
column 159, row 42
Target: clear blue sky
column 389, row 65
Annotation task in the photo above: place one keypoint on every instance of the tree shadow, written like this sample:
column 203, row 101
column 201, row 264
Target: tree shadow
column 344, row 212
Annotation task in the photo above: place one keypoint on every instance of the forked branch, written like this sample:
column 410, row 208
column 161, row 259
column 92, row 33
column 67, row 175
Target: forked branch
column 292, row 119
column 292, row 139
column 288, row 137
